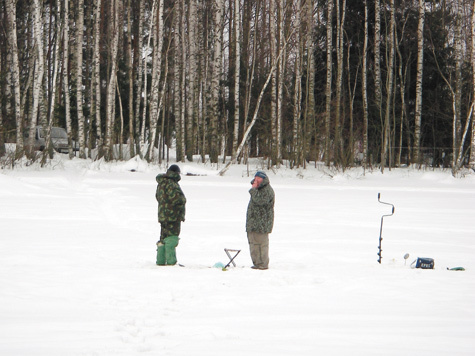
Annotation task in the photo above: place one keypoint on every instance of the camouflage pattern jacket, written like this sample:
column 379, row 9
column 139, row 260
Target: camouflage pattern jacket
column 170, row 197
column 260, row 211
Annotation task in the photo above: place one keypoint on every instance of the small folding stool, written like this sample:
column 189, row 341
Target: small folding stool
column 231, row 258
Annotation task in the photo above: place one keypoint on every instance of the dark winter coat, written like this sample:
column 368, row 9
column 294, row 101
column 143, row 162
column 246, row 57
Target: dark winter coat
column 260, row 211
column 170, row 197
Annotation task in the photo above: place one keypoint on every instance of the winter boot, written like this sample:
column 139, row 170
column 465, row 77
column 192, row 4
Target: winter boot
column 161, row 260
column 171, row 242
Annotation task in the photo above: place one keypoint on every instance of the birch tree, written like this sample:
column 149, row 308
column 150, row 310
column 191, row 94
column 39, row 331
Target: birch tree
column 66, row 88
column 281, row 76
column 112, row 81
column 377, row 58
column 52, row 99
column 205, row 82
column 328, row 90
column 79, row 78
column 216, row 77
column 402, row 92
column 340, row 13
column 139, row 75
column 2, row 133
column 296, row 147
column 177, row 95
column 96, row 78
column 364, row 86
column 273, row 95
column 183, row 43
column 389, row 90
column 249, row 55
column 38, row 74
column 310, row 83
column 145, row 73
column 130, row 78
column 237, row 70
column 472, row 148
column 156, row 75
column 457, row 124
column 420, row 61
column 459, row 134
column 193, row 88
column 15, row 72
column 351, row 104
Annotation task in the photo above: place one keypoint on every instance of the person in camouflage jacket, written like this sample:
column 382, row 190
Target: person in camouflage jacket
column 171, row 212
column 260, row 220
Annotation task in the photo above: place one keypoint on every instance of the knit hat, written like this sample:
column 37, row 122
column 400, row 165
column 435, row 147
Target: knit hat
column 261, row 175
column 174, row 168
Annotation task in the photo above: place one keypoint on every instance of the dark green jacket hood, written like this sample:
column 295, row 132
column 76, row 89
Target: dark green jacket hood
column 169, row 175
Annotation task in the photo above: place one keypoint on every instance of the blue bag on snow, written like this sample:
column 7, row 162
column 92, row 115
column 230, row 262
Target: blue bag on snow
column 424, row 263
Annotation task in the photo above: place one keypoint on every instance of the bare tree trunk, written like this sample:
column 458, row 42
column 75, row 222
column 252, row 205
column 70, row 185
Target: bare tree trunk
column 156, row 75
column 310, row 100
column 52, row 99
column 2, row 134
column 39, row 73
column 79, row 77
column 251, row 51
column 216, row 77
column 130, row 77
column 280, row 79
column 121, row 115
column 96, row 107
column 459, row 159
column 328, row 90
column 364, row 86
column 10, row 7
column 296, row 146
column 111, row 87
column 205, row 87
column 402, row 89
column 472, row 146
column 420, row 61
column 273, row 86
column 177, row 86
column 193, row 92
column 7, row 88
column 140, row 74
column 183, row 80
column 66, row 89
column 339, row 81
column 237, row 70
column 351, row 98
column 389, row 92
column 162, row 99
column 458, row 79
column 377, row 60
column 145, row 70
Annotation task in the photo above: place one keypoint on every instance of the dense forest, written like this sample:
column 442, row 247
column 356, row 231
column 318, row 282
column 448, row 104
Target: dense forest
column 380, row 83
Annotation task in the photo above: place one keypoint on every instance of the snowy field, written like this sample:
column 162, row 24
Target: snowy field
column 78, row 273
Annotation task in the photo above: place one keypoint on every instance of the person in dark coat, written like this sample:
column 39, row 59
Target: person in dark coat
column 171, row 212
column 260, row 220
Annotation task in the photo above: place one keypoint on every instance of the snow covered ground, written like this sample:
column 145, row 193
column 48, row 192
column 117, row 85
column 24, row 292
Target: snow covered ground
column 78, row 273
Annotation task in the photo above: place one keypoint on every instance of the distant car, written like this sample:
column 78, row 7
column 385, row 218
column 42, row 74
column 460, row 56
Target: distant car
column 59, row 139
